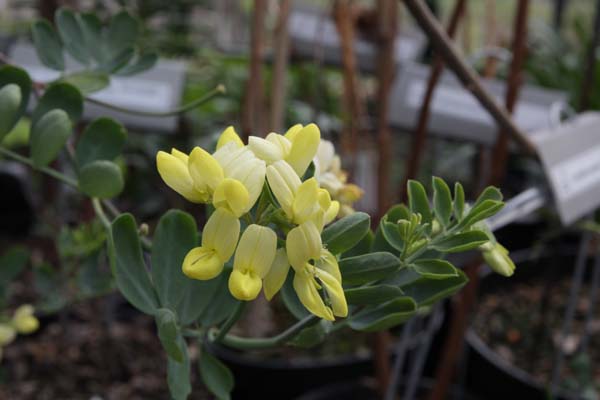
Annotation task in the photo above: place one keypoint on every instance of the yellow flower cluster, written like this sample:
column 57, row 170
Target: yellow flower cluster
column 232, row 179
column 23, row 322
column 331, row 176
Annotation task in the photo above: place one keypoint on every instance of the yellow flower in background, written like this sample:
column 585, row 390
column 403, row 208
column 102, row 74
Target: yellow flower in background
column 173, row 169
column 316, row 268
column 219, row 240
column 24, row 320
column 277, row 274
column 329, row 173
column 297, row 147
column 253, row 259
column 7, row 334
column 299, row 200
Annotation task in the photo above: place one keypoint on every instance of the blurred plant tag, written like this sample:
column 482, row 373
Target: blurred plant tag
column 157, row 90
column 570, row 156
column 456, row 114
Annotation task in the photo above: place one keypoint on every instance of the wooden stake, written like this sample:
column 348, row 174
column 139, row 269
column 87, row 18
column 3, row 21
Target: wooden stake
column 280, row 65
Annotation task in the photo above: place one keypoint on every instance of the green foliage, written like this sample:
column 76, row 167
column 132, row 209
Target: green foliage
column 63, row 96
column 216, row 376
column 168, row 333
column 11, row 74
column 383, row 316
column 102, row 139
column 127, row 263
column 344, row 234
column 368, row 267
column 48, row 136
column 178, row 373
column 102, row 179
column 100, row 50
column 10, row 100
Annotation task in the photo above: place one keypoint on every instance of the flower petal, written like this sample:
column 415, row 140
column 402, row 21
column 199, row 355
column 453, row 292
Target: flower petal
column 291, row 133
column 332, row 212
column 252, row 175
column 174, row 172
column 284, row 183
column 303, row 243
column 204, row 170
column 233, row 196
column 280, row 141
column 304, row 147
column 305, row 287
column 335, row 292
column 244, row 286
column 306, row 201
column 229, row 135
column 256, row 250
column 277, row 274
column 221, row 233
column 265, row 150
column 202, row 263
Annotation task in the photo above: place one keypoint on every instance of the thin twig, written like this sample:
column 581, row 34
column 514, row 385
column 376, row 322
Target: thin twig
column 220, row 89
column 464, row 72
column 46, row 170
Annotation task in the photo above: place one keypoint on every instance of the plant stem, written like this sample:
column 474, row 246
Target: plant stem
column 240, row 343
column 220, row 89
column 228, row 324
column 48, row 171
column 100, row 213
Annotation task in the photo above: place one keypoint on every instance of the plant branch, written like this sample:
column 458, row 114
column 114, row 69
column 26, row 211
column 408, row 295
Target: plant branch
column 464, row 72
column 220, row 89
column 100, row 213
column 228, row 324
column 240, row 343
column 46, row 170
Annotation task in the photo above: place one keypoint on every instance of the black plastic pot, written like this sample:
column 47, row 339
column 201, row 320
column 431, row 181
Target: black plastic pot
column 488, row 374
column 353, row 390
column 286, row 378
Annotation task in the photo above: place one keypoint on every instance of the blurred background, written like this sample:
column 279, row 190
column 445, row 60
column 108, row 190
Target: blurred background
column 378, row 86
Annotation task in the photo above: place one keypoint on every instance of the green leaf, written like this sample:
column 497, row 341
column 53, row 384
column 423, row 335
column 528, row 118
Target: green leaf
column 222, row 304
column 91, row 27
column 92, row 278
column 128, row 265
column 459, row 201
column 10, row 102
column 417, row 200
column 481, row 211
column 123, row 31
column 47, row 45
column 435, row 269
column 175, row 235
column 313, row 335
column 384, row 316
column 197, row 296
column 178, row 373
column 372, row 295
column 87, row 81
column 63, row 96
column 48, row 136
column 12, row 263
column 344, row 234
column 381, row 244
column 102, row 139
column 442, row 201
column 168, row 333
column 11, row 74
column 391, row 233
column 397, row 212
column 291, row 300
column 428, row 291
column 461, row 242
column 143, row 63
column 119, row 60
column 403, row 277
column 489, row 193
column 368, row 267
column 362, row 247
column 216, row 376
column 102, row 179
column 71, row 34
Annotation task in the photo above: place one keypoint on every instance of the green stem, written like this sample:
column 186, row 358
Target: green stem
column 228, row 324
column 48, row 171
column 220, row 89
column 100, row 213
column 240, row 343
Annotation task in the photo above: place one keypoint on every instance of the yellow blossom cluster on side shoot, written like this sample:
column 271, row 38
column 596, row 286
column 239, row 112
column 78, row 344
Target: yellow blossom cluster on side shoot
column 331, row 176
column 285, row 233
column 22, row 322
